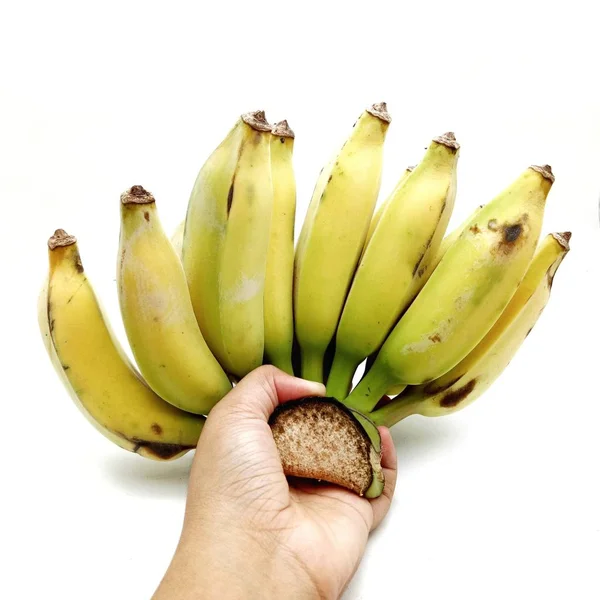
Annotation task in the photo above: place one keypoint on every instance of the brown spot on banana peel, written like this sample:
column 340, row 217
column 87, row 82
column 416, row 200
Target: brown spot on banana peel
column 230, row 198
column 435, row 338
column 147, row 216
column 156, row 428
column 455, row 397
column 160, row 450
column 475, row 229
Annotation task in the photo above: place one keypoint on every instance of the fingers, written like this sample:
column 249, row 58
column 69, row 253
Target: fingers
column 257, row 394
column 389, row 462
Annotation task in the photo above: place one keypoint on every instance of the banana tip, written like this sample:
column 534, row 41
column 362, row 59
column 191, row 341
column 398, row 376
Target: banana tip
column 448, row 139
column 545, row 171
column 563, row 239
column 380, row 111
column 282, row 129
column 137, row 195
column 257, row 120
column 61, row 238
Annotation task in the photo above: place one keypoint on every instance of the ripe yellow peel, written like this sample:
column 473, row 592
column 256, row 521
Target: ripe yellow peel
column 279, row 320
column 243, row 264
column 95, row 370
column 204, row 234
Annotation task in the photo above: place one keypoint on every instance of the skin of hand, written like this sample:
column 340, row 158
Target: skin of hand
column 248, row 532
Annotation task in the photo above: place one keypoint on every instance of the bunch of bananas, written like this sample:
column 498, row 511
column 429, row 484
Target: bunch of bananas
column 436, row 316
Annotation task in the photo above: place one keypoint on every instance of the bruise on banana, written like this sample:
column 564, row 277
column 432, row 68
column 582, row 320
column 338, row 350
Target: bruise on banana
column 455, row 397
column 160, row 450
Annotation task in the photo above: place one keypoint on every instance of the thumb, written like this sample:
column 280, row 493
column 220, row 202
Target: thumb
column 257, row 394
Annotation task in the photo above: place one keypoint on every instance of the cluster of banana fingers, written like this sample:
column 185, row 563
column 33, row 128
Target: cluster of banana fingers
column 436, row 316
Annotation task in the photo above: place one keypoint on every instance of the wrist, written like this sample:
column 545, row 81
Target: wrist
column 235, row 565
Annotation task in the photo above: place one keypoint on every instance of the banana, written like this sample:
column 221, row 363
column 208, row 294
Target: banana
column 466, row 293
column 204, row 233
column 333, row 236
column 177, row 238
column 245, row 249
column 279, row 320
column 95, row 369
column 381, row 209
column 481, row 367
column 225, row 244
column 157, row 312
column 414, row 221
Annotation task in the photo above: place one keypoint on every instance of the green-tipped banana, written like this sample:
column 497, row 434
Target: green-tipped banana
column 413, row 223
column 381, row 209
column 279, row 319
column 481, row 367
column 466, row 293
column 95, row 370
column 245, row 248
column 157, row 312
column 333, row 236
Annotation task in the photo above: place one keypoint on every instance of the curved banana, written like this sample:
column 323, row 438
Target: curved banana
column 481, row 367
column 333, row 236
column 279, row 319
column 414, row 221
column 466, row 293
column 204, row 234
column 381, row 209
column 157, row 312
column 244, row 260
column 96, row 371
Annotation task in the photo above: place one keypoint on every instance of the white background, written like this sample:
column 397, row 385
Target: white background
column 498, row 501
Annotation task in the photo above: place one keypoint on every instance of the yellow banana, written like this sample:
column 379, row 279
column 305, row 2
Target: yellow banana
column 157, row 312
column 279, row 319
column 204, row 233
column 333, row 236
column 466, row 293
column 245, row 248
column 481, row 367
column 379, row 211
column 414, row 222
column 95, row 370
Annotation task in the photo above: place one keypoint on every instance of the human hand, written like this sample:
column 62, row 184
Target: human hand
column 247, row 532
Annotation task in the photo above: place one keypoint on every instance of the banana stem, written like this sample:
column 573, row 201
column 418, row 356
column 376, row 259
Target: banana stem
column 339, row 381
column 394, row 412
column 369, row 391
column 312, row 365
